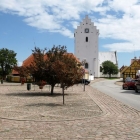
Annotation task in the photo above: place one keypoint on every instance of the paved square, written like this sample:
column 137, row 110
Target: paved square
column 89, row 115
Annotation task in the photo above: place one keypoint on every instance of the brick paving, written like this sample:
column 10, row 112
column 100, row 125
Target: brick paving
column 89, row 115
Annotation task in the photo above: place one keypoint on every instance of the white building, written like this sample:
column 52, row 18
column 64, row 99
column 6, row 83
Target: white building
column 87, row 50
column 111, row 56
column 86, row 45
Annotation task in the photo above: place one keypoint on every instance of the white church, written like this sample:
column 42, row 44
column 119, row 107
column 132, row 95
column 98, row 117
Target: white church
column 87, row 49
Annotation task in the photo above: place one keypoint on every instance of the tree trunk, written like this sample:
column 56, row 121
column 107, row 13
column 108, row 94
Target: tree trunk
column 52, row 88
column 2, row 71
column 63, row 94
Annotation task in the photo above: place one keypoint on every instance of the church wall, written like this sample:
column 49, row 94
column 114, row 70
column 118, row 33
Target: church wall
column 104, row 56
column 87, row 50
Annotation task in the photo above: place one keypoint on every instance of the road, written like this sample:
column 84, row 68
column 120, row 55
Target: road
column 128, row 97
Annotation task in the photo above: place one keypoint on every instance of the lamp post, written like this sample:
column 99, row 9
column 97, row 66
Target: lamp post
column 83, row 63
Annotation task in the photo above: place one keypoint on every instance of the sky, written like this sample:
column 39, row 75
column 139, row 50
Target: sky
column 25, row 24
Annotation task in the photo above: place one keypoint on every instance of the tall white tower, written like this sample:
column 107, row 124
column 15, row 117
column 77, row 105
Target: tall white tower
column 86, row 45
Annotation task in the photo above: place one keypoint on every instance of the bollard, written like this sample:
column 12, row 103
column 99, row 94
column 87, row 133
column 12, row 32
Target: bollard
column 28, row 86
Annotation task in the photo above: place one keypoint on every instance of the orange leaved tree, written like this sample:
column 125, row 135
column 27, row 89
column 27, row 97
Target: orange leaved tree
column 68, row 70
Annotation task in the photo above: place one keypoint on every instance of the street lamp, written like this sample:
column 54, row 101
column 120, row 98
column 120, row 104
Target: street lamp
column 83, row 63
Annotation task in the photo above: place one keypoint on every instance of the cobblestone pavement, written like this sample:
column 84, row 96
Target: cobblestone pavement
column 89, row 115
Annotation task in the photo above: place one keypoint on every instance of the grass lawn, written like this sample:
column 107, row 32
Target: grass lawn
column 111, row 78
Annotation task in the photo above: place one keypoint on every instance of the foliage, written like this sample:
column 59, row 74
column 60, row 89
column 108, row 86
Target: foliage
column 7, row 61
column 9, row 77
column 111, row 78
column 109, row 68
column 37, row 67
column 41, row 83
column 23, row 71
column 68, row 70
column 101, row 69
column 53, row 66
column 53, row 56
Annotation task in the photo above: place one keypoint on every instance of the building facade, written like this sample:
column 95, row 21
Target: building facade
column 86, row 46
column 87, row 49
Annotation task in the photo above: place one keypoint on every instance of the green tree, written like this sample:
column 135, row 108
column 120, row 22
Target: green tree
column 7, row 61
column 109, row 68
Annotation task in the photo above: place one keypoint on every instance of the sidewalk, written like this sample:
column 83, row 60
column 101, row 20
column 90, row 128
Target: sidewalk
column 89, row 115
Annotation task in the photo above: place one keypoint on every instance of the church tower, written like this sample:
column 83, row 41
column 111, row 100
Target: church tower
column 86, row 46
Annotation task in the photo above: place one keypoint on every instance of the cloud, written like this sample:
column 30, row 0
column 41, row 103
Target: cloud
column 118, row 20
column 75, row 24
column 47, row 14
column 119, row 47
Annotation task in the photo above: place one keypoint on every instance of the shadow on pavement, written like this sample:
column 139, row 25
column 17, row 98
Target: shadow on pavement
column 43, row 104
column 131, row 91
column 32, row 94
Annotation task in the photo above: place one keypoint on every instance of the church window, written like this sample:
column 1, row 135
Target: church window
column 86, row 30
column 86, row 39
column 86, row 65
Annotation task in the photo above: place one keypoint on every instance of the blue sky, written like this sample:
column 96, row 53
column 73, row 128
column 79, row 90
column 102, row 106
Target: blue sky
column 44, row 23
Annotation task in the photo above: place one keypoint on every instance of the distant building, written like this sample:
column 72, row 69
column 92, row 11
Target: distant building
column 87, row 49
column 131, row 71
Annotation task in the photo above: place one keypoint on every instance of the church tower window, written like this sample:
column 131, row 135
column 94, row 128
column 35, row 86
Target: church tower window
column 86, row 65
column 86, row 39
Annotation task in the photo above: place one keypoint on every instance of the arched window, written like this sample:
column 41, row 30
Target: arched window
column 86, row 65
column 86, row 39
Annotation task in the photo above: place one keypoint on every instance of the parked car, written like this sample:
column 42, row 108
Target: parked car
column 130, row 84
column 82, row 81
column 137, row 85
column 128, row 79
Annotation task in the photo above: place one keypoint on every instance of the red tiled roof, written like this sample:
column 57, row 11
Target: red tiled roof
column 30, row 59
column 14, row 72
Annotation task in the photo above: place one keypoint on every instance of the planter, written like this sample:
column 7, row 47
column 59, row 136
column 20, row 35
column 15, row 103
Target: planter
column 40, row 87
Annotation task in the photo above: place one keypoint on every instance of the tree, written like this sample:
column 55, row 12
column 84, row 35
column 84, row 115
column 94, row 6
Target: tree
column 7, row 61
column 23, row 71
column 68, row 70
column 109, row 68
column 53, row 56
column 38, row 65
column 54, row 66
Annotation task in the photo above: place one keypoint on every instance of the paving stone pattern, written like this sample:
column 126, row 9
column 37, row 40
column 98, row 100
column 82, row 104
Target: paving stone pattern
column 89, row 115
